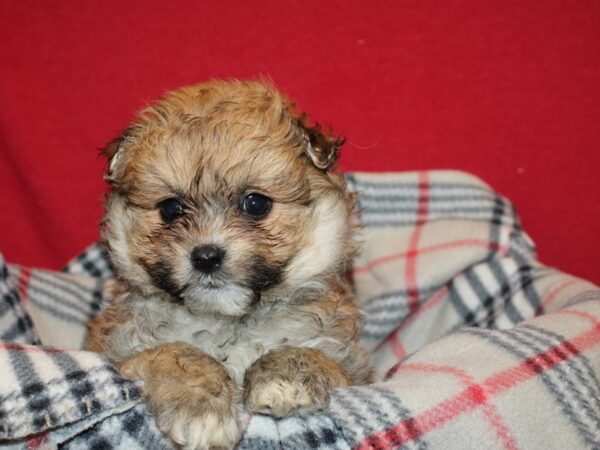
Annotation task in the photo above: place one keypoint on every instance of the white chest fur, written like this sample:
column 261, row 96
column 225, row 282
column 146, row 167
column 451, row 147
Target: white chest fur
column 235, row 342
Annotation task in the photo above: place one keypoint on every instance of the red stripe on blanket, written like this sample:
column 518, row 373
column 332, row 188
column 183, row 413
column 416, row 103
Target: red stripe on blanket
column 397, row 346
column 584, row 315
column 37, row 441
column 552, row 295
column 494, row 246
column 470, row 398
column 544, row 361
column 412, row 253
column 23, row 283
column 29, row 348
column 479, row 395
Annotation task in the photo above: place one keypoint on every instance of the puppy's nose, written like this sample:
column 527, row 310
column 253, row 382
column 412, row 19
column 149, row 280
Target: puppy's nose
column 207, row 258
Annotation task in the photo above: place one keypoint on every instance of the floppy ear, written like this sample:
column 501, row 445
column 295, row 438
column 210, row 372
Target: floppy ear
column 322, row 147
column 114, row 152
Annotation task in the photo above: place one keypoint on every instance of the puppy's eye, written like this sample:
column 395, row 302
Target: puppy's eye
column 256, row 205
column 170, row 209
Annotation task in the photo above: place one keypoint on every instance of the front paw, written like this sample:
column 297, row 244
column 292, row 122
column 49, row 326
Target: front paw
column 280, row 398
column 193, row 400
column 291, row 380
column 194, row 430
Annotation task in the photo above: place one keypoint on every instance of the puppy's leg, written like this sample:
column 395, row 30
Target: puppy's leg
column 290, row 380
column 191, row 395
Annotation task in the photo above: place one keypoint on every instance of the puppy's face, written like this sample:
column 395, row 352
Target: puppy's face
column 221, row 193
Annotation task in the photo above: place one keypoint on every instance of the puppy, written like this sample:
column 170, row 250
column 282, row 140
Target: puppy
column 230, row 234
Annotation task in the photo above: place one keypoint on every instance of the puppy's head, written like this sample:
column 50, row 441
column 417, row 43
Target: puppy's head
column 222, row 192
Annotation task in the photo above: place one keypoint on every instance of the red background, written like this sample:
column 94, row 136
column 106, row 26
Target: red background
column 508, row 90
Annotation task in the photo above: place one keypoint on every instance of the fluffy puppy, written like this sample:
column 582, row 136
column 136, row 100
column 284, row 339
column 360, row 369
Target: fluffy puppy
column 230, row 235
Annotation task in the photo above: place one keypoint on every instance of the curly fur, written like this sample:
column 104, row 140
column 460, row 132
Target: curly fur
column 280, row 292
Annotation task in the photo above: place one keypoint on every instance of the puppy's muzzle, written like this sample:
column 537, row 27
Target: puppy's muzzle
column 207, row 258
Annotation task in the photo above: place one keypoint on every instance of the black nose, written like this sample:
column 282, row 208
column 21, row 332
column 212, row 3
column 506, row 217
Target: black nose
column 207, row 258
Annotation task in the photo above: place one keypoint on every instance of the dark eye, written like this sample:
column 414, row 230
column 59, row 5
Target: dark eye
column 256, row 206
column 170, row 209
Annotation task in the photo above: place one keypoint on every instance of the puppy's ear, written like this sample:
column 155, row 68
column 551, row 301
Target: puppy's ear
column 322, row 147
column 114, row 152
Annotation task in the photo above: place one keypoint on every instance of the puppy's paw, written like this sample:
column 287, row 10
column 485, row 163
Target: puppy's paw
column 280, row 398
column 291, row 380
column 206, row 431
column 193, row 400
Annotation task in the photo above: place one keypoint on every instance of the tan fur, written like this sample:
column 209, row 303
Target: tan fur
column 291, row 380
column 279, row 296
column 193, row 399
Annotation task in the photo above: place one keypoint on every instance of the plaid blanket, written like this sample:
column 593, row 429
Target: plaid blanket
column 476, row 344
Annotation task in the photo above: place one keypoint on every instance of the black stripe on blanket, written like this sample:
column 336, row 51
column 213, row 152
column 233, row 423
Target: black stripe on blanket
column 363, row 412
column 34, row 391
column 15, row 324
column 93, row 262
column 80, row 388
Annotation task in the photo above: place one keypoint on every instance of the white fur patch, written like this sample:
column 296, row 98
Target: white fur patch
column 322, row 252
column 230, row 300
column 117, row 233
column 115, row 161
column 204, row 432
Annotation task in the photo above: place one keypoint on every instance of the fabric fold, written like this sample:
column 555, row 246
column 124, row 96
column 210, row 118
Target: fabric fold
column 476, row 344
